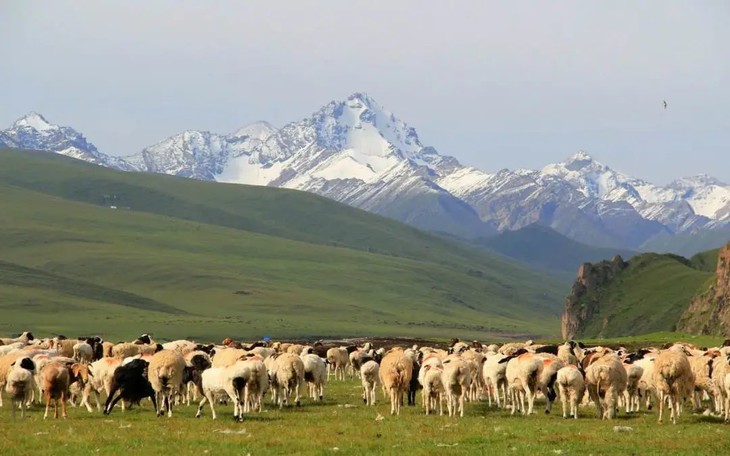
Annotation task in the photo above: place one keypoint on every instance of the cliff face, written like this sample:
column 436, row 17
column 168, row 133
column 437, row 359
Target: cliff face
column 580, row 306
column 709, row 312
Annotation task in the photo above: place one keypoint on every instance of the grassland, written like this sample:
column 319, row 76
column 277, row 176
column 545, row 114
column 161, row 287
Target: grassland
column 343, row 425
column 183, row 258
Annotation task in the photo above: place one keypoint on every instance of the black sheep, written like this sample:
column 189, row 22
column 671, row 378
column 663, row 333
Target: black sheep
column 131, row 382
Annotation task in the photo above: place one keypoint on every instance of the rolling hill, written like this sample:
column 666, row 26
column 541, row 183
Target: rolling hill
column 88, row 249
column 545, row 248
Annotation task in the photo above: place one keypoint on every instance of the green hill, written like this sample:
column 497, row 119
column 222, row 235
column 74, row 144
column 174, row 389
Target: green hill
column 647, row 294
column 180, row 257
column 544, row 248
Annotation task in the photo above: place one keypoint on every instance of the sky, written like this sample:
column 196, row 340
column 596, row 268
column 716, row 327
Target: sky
column 509, row 84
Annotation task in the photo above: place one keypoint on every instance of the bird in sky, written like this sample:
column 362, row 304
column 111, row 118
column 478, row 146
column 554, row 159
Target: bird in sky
column 665, row 104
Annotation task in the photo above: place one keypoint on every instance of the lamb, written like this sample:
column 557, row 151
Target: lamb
column 606, row 373
column 287, row 377
column 56, row 380
column 673, row 379
column 338, row 359
column 456, row 380
column 395, row 376
column 165, row 373
column 20, row 384
column 523, row 373
column 369, row 373
column 572, row 387
column 132, row 384
column 83, row 352
column 315, row 374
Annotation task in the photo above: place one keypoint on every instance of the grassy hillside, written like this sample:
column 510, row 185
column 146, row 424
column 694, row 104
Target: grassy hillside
column 181, row 257
column 648, row 296
column 545, row 248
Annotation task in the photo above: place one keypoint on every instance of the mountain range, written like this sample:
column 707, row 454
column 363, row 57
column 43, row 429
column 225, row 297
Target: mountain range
column 356, row 152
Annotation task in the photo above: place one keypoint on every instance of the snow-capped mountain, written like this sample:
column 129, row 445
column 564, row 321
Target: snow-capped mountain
column 357, row 152
column 33, row 131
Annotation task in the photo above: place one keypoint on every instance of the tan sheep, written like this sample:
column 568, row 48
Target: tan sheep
column 55, row 379
column 673, row 379
column 127, row 349
column 165, row 374
column 523, row 374
column 701, row 368
column 395, row 375
column 433, row 387
column 338, row 359
column 456, row 380
column 225, row 357
column 287, row 378
column 606, row 374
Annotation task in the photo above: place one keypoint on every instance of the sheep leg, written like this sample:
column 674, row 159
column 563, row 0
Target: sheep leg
column 48, row 405
column 169, row 404
column 461, row 403
column 661, row 405
column 63, row 404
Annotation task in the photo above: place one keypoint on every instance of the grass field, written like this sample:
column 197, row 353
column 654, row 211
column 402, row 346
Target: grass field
column 343, row 425
column 184, row 258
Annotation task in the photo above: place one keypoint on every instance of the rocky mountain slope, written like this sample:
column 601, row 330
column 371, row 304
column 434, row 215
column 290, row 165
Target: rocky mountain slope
column 357, row 152
column 649, row 293
column 709, row 312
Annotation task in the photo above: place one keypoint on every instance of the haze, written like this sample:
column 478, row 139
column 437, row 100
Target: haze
column 496, row 84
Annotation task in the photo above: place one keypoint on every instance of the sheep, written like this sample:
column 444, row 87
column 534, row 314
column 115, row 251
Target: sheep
column 495, row 378
column 227, row 356
column 702, row 369
column 456, row 380
column 195, row 363
column 257, row 383
column 475, row 361
column 107, row 348
column 395, row 375
column 64, row 347
column 338, row 359
column 315, row 374
column 132, row 384
column 572, row 387
column 165, row 373
column 566, row 353
column 433, row 387
column 726, row 387
column 10, row 348
column 26, row 337
column 83, row 352
column 645, row 386
column 720, row 368
column 369, row 373
column 287, row 377
column 56, row 380
column 127, row 349
column 634, row 372
column 605, row 373
column 80, row 375
column 218, row 380
column 20, row 384
column 673, row 379
column 182, row 346
column 522, row 373
column 551, row 364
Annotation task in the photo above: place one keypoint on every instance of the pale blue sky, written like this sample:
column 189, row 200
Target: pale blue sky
column 496, row 84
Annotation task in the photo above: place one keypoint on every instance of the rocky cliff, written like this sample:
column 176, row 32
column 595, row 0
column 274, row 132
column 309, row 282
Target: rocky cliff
column 709, row 312
column 582, row 303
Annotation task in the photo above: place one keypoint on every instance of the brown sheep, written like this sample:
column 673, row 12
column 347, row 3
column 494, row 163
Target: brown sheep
column 673, row 379
column 55, row 378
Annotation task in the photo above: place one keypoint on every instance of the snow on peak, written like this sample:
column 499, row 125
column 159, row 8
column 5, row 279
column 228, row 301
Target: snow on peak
column 35, row 121
column 260, row 130
column 699, row 180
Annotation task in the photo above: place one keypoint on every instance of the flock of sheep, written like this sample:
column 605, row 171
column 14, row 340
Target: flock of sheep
column 511, row 375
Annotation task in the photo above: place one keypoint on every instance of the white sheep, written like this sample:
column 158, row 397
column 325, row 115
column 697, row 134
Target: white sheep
column 456, row 380
column 369, row 374
column 494, row 374
column 223, row 380
column 315, row 374
column 634, row 372
column 338, row 360
column 571, row 387
column 433, row 387
column 20, row 384
column 165, row 374
column 83, row 353
column 523, row 374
